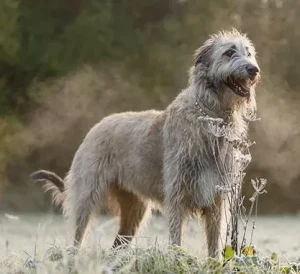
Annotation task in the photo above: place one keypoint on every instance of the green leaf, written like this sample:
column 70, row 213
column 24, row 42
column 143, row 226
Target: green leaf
column 228, row 252
column 285, row 269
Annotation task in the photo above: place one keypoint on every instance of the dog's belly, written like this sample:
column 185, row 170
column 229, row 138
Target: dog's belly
column 143, row 176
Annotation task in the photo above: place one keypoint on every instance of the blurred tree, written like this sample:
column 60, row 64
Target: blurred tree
column 43, row 43
column 9, row 47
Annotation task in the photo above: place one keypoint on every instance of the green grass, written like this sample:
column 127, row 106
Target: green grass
column 134, row 260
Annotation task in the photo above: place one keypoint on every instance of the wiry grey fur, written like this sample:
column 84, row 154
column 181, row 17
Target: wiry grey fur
column 130, row 162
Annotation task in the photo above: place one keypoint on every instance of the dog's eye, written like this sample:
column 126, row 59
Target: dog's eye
column 249, row 54
column 229, row 53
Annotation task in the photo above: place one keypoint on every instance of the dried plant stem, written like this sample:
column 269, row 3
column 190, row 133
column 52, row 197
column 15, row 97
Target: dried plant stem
column 232, row 149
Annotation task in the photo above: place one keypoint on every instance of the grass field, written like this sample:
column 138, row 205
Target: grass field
column 39, row 244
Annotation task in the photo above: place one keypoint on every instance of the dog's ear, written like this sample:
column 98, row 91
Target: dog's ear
column 203, row 54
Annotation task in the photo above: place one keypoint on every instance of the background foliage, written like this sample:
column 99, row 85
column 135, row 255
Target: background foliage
column 64, row 66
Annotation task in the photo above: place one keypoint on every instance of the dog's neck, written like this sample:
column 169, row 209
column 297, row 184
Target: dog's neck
column 213, row 109
column 220, row 103
column 215, row 102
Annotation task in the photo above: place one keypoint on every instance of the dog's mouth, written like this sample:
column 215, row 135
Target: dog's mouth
column 240, row 87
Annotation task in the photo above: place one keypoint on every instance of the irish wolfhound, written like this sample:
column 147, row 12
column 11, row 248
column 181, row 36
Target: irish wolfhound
column 133, row 161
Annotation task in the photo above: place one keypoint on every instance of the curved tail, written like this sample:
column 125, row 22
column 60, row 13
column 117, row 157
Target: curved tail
column 53, row 183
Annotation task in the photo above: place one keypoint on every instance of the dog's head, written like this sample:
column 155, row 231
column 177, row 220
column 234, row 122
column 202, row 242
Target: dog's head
column 227, row 60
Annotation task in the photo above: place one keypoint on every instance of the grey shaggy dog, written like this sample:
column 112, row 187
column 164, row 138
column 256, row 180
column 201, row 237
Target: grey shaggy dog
column 132, row 162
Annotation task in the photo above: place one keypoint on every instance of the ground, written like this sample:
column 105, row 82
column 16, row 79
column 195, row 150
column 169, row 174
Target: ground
column 30, row 236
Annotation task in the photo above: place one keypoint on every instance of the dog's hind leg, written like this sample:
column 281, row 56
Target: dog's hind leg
column 133, row 211
column 83, row 214
column 82, row 201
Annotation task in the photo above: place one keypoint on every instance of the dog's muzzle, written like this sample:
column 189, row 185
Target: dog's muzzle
column 242, row 86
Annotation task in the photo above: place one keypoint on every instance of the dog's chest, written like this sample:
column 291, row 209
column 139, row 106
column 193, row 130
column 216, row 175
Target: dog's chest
column 210, row 168
column 216, row 146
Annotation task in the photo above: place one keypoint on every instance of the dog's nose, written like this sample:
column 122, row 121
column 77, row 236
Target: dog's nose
column 252, row 70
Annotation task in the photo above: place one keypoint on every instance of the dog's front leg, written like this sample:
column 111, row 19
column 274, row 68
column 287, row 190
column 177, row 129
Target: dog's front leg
column 216, row 218
column 177, row 222
column 173, row 187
